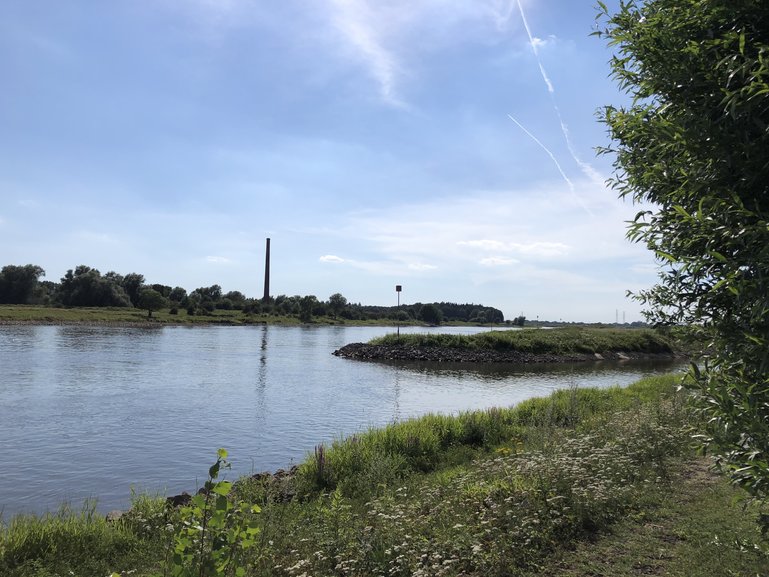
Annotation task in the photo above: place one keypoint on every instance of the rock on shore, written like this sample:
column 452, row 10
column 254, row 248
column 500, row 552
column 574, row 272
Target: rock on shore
column 363, row 351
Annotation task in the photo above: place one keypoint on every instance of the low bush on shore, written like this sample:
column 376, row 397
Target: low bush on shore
column 486, row 492
column 560, row 341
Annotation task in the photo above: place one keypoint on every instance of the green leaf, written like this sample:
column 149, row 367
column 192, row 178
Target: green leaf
column 664, row 256
column 199, row 501
column 221, row 453
column 717, row 255
column 223, row 488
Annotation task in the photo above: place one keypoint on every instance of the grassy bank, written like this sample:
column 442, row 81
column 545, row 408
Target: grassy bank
column 498, row 492
column 561, row 341
column 30, row 314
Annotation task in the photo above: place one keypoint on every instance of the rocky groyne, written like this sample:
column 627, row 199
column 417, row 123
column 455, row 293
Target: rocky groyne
column 363, row 351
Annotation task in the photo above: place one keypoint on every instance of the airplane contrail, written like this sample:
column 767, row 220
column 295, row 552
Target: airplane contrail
column 586, row 168
column 557, row 164
column 546, row 149
column 533, row 45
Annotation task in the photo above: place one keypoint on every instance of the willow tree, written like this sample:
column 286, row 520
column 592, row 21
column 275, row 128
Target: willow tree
column 692, row 146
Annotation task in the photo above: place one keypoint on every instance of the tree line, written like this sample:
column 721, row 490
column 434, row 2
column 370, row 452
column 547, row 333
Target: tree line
column 85, row 286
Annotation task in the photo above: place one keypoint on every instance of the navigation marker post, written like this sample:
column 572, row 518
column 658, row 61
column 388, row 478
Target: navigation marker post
column 398, row 321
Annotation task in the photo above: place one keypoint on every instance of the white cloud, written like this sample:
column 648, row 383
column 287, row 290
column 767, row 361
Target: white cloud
column 421, row 266
column 544, row 231
column 331, row 258
column 497, row 261
column 484, row 244
column 361, row 28
column 95, row 237
column 387, row 36
column 540, row 43
column 540, row 249
column 218, row 259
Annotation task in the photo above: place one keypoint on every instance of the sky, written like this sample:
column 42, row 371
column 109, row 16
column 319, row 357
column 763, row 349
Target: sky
column 447, row 146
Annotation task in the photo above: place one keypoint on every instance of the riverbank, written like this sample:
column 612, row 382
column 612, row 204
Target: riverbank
column 130, row 317
column 529, row 490
column 519, row 346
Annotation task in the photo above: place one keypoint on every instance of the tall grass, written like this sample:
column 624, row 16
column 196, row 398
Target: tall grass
column 538, row 341
column 382, row 456
column 68, row 542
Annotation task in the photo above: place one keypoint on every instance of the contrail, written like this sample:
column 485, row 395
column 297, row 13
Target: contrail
column 557, row 164
column 588, row 170
column 533, row 45
column 546, row 149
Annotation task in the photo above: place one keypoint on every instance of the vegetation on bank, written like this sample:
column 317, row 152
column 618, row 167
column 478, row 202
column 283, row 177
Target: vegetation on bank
column 496, row 492
column 88, row 287
column 689, row 148
column 562, row 341
column 38, row 314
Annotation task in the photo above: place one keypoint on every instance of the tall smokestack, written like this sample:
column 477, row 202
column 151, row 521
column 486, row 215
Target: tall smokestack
column 267, row 272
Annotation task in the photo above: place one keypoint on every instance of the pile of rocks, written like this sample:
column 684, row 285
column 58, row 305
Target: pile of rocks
column 363, row 351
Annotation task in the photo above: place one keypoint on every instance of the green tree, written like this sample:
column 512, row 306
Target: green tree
column 18, row 284
column 85, row 287
column 431, row 314
column 692, row 145
column 337, row 303
column 132, row 284
column 178, row 294
column 306, row 306
column 151, row 300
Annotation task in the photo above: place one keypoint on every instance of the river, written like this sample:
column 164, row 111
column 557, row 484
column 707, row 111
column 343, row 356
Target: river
column 90, row 412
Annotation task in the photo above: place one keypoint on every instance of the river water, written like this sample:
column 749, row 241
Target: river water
column 92, row 411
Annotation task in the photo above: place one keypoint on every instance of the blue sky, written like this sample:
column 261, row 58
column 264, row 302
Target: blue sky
column 444, row 145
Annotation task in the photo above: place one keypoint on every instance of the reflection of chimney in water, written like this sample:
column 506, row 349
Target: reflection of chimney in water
column 267, row 272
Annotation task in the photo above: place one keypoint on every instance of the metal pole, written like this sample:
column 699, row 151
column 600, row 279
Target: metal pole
column 398, row 312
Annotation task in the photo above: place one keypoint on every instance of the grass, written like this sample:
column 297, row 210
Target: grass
column 537, row 341
column 34, row 314
column 127, row 315
column 673, row 535
column 584, row 482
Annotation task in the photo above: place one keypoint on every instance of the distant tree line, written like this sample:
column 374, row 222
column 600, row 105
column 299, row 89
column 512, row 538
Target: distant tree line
column 84, row 286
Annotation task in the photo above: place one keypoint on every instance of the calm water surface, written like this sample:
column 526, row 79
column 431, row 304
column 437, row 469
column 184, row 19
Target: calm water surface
column 93, row 411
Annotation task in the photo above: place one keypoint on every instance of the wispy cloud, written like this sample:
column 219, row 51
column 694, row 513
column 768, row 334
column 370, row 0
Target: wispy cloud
column 484, row 244
column 387, row 37
column 218, row 259
column 331, row 258
column 421, row 266
column 497, row 261
column 358, row 25
column 540, row 249
column 538, row 226
column 96, row 237
column 543, row 42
